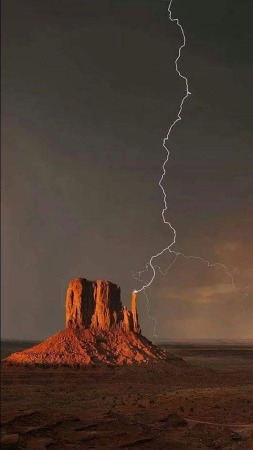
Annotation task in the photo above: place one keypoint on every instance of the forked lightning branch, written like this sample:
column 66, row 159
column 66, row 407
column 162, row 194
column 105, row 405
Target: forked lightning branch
column 151, row 264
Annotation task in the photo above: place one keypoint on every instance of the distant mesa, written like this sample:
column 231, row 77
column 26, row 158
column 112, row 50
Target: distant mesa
column 99, row 330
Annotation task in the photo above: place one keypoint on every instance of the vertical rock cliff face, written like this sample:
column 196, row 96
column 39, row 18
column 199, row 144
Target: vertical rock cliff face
column 97, row 304
column 108, row 309
column 80, row 304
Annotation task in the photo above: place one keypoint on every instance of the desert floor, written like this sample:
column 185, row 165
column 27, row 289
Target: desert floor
column 203, row 402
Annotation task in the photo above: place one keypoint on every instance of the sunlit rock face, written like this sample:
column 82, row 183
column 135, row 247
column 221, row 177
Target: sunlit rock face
column 97, row 304
column 99, row 330
column 136, row 326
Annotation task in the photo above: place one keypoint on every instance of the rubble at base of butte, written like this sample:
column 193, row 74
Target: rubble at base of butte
column 99, row 330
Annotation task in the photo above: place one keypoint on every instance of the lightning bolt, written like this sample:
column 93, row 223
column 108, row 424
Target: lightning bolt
column 151, row 265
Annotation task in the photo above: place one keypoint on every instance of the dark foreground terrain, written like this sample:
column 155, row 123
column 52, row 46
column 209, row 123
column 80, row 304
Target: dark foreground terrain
column 205, row 402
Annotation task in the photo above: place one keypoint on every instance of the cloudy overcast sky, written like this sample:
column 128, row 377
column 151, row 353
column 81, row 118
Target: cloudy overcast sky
column 89, row 90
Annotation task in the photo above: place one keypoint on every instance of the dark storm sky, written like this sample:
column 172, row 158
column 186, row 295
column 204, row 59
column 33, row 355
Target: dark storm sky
column 89, row 89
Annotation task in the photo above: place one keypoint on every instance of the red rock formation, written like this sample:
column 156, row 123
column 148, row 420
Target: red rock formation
column 108, row 310
column 136, row 326
column 99, row 329
column 97, row 304
column 80, row 304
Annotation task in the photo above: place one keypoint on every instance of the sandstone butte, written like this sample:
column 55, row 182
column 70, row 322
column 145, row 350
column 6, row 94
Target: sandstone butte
column 99, row 330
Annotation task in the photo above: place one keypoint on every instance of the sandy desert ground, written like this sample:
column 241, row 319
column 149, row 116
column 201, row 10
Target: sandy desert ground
column 203, row 402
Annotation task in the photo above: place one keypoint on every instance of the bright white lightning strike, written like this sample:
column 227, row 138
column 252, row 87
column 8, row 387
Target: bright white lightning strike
column 166, row 160
column 150, row 265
